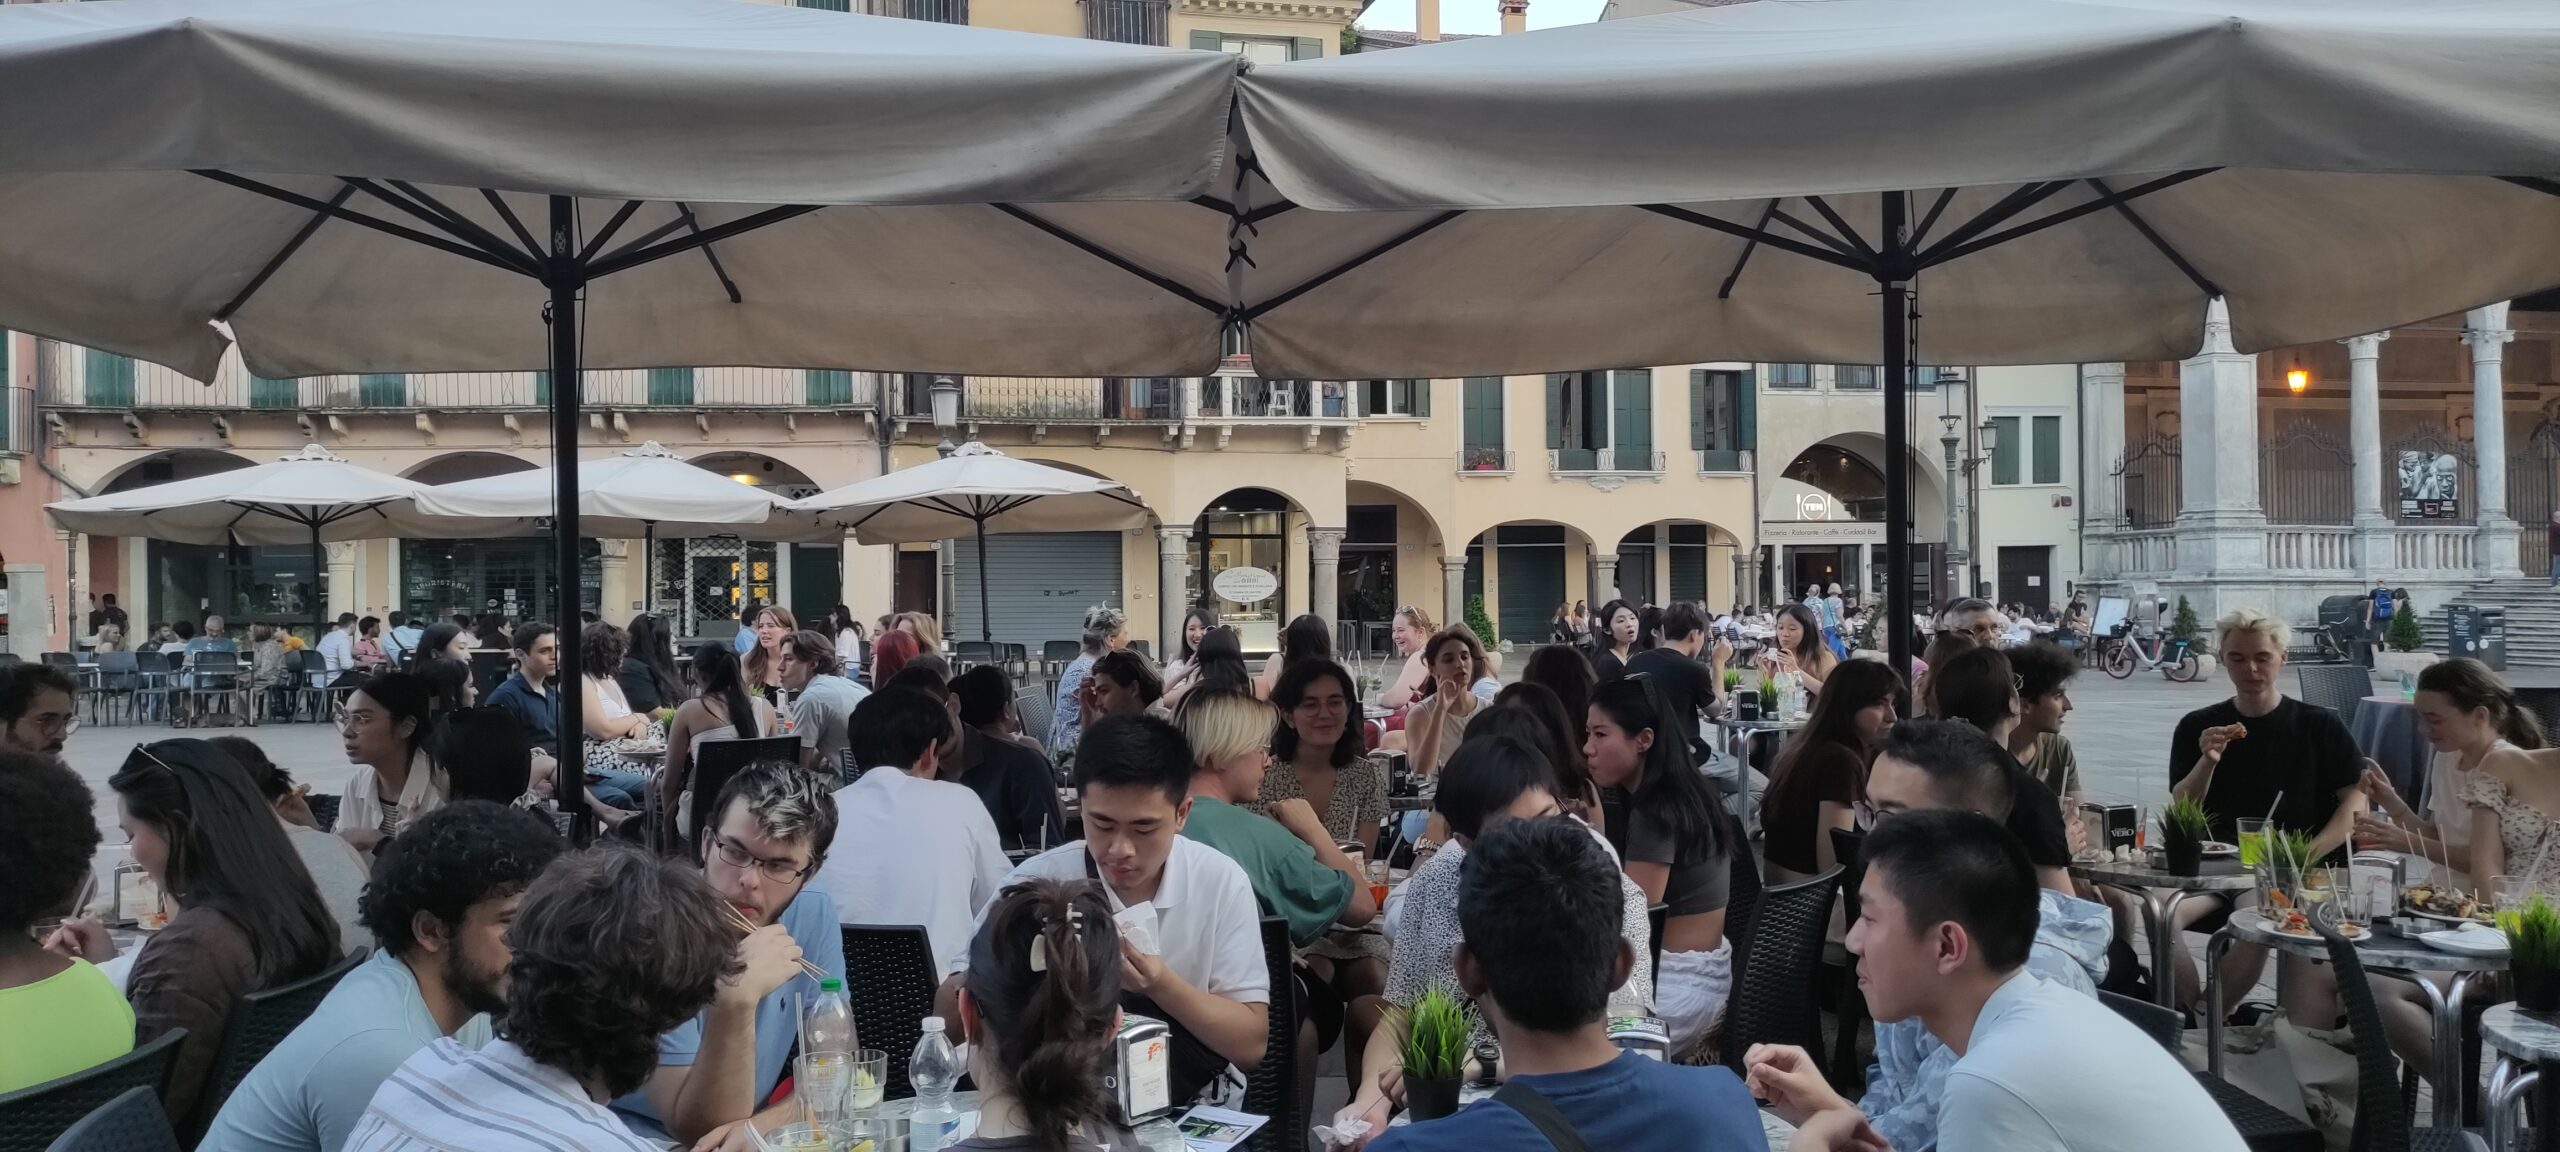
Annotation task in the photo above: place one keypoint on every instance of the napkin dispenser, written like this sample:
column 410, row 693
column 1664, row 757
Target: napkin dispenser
column 1643, row 1035
column 1142, row 1072
column 2115, row 828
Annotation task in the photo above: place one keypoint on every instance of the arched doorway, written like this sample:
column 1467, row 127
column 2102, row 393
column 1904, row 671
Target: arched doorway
column 1382, row 527
column 1674, row 560
column 241, row 583
column 705, row 585
column 1240, row 558
column 512, row 576
column 1525, row 570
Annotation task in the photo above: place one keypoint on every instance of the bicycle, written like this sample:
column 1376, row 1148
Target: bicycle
column 2175, row 658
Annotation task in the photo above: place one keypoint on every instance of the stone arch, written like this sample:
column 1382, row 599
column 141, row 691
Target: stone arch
column 475, row 464
column 182, row 464
column 765, row 470
column 1524, row 568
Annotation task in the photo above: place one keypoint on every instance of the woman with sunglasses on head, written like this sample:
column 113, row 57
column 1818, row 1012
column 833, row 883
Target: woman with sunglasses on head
column 243, row 913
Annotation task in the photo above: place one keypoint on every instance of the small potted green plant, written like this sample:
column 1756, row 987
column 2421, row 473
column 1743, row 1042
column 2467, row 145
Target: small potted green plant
column 1768, row 698
column 1732, row 683
column 2533, row 953
column 2183, row 827
column 1435, row 1054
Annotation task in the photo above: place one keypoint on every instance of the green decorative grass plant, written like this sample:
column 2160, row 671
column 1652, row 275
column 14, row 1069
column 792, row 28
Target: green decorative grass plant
column 1435, row 1045
column 2185, row 819
column 2533, row 934
column 2290, row 851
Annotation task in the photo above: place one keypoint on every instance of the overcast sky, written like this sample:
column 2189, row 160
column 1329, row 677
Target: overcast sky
column 1480, row 16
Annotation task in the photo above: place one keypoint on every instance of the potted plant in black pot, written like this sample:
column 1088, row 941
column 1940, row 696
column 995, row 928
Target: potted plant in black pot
column 2183, row 828
column 1435, row 1054
column 2533, row 953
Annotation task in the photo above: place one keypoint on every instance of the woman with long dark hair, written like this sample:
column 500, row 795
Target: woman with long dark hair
column 1821, row 776
column 1533, row 713
column 1196, row 626
column 386, row 729
column 1678, row 846
column 1614, row 633
column 1306, row 638
column 243, row 913
column 444, row 662
column 1040, row 1009
column 648, row 673
column 1798, row 648
column 1462, row 683
column 1563, row 671
column 851, row 644
column 1217, row 665
column 721, row 709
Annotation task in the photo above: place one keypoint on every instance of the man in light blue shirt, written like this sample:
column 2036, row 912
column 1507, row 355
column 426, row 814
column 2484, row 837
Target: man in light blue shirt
column 715, row 1071
column 402, row 639
column 442, row 897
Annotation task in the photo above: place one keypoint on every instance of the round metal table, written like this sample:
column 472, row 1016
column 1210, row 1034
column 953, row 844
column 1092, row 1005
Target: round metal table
column 2390, row 955
column 2160, row 892
column 2522, row 1042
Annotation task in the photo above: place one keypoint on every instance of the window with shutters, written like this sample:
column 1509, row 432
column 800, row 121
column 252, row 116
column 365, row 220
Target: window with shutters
column 2026, row 448
column 1856, row 377
column 106, row 379
column 1258, row 49
column 1790, row 375
column 1601, row 421
column 265, row 392
column 1126, row 21
column 2004, row 450
column 383, row 390
column 2047, row 445
column 829, row 386
column 542, row 388
column 1481, row 446
column 1395, row 397
column 1722, row 419
column 671, row 385
column 826, row 5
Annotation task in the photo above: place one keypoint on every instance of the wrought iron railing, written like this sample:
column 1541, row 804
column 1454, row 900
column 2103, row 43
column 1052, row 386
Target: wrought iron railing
column 72, row 377
column 1603, row 460
column 1127, row 21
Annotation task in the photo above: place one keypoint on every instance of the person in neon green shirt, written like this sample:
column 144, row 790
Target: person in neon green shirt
column 57, row 1015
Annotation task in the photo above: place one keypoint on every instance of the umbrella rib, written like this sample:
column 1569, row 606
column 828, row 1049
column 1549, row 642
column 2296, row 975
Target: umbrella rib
column 627, row 258
column 1760, row 235
column 652, row 236
column 1267, row 211
column 456, row 227
column 351, row 216
column 1114, row 259
column 283, row 254
column 461, row 223
column 1846, row 231
column 1409, row 235
column 1943, row 254
column 2142, row 226
column 727, row 284
column 1931, row 220
column 2544, row 185
column 1725, row 290
column 604, row 235
column 524, row 235
column 2019, row 199
column 1819, row 236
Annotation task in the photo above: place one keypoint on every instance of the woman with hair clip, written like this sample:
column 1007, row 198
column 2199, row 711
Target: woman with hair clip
column 244, row 915
column 1532, row 713
column 1678, row 844
column 1040, row 1007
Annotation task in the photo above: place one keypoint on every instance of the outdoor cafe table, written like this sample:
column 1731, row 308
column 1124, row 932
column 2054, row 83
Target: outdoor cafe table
column 2523, row 1041
column 2389, row 955
column 2160, row 892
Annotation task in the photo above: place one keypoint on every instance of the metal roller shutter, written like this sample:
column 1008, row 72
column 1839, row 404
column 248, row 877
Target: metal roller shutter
column 1530, row 578
column 1039, row 583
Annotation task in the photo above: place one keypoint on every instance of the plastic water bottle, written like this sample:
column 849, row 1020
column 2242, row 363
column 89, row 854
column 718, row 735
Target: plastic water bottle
column 933, row 1070
column 826, row 1059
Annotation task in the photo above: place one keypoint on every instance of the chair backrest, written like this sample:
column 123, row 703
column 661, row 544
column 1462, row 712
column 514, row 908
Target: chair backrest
column 31, row 1117
column 117, row 671
column 1141, row 648
column 132, row 1122
column 2382, row 1117
column 259, row 1022
column 1773, row 1001
column 215, row 669
column 1272, row 1089
column 151, row 660
column 62, row 660
column 889, row 976
column 718, row 760
column 1033, row 707
column 10, row 660
column 1849, row 850
column 2336, row 687
column 1060, row 653
column 974, row 652
column 324, row 809
column 2161, row 1024
column 1658, row 918
column 1742, row 896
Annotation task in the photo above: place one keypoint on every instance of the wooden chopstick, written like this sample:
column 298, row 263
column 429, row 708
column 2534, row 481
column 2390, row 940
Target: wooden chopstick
column 745, row 925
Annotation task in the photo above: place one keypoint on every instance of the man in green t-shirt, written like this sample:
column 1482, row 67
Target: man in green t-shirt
column 1298, row 873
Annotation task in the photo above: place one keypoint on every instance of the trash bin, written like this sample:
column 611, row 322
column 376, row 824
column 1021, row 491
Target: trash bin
column 2477, row 631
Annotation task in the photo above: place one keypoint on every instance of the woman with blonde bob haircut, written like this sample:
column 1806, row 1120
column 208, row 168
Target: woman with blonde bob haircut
column 1230, row 734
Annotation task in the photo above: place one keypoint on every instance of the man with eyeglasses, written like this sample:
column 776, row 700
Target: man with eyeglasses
column 1973, row 617
column 39, row 709
column 775, row 823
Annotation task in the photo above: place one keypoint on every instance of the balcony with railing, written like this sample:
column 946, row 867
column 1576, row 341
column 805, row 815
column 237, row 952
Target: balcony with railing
column 1046, row 399
column 1483, row 460
column 17, row 421
column 71, row 377
column 935, row 11
column 1615, row 460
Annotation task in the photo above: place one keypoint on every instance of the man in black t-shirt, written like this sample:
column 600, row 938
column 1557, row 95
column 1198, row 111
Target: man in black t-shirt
column 2261, row 752
column 1687, row 683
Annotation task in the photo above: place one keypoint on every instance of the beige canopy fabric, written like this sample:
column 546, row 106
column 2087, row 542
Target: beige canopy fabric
column 309, row 497
column 644, row 492
column 700, row 112
column 2341, row 167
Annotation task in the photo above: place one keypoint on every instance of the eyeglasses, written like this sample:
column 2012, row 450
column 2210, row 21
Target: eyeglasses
column 60, row 724
column 736, row 855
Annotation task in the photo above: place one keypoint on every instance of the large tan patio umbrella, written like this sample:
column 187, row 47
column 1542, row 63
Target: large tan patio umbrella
column 981, row 490
column 312, row 496
column 489, row 185
column 1900, row 181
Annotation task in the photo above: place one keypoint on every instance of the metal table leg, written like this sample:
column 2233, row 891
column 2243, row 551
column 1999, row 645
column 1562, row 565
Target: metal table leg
column 2446, row 1042
column 2497, row 1099
column 2159, row 912
column 2214, row 949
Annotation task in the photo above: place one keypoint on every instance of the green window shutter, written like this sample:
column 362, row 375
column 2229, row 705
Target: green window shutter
column 265, row 392
column 826, row 5
column 1207, row 40
column 1421, row 396
column 542, row 388
column 1306, row 48
column 1480, row 404
column 671, row 385
column 1698, row 385
column 1631, row 394
column 1556, row 414
column 106, row 379
column 2048, row 446
column 2004, row 450
column 1746, row 424
column 383, row 390
column 830, row 386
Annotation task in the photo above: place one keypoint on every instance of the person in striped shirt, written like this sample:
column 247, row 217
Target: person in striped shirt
column 612, row 947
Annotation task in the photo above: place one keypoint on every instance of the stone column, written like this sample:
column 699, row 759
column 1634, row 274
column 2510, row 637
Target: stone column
column 1453, row 589
column 2222, row 529
column 1604, row 578
column 27, row 600
column 342, row 578
column 2485, row 330
column 614, row 574
column 1324, row 565
column 2102, row 492
column 947, row 554
column 2375, row 552
column 1173, row 572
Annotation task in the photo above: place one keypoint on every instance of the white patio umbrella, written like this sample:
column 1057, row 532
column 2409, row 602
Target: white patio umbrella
column 312, row 496
column 1903, row 182
column 645, row 492
column 981, row 490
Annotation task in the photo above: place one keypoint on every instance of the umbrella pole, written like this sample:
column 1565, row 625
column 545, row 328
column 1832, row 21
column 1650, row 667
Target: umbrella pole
column 986, row 610
column 565, row 277
column 649, row 566
column 319, row 587
column 1895, row 278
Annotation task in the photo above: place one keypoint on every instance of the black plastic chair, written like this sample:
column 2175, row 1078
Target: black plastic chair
column 2336, row 687
column 968, row 654
column 1032, row 708
column 1848, row 1073
column 890, row 977
column 1742, row 893
column 214, row 675
column 1658, row 916
column 1055, row 655
column 2382, row 1123
column 259, row 1022
column 132, row 1122
column 118, row 677
column 158, row 680
column 2262, row 1126
column 32, row 1118
column 1017, row 661
column 1272, row 1088
column 324, row 810
column 2544, row 703
column 718, row 760
column 1773, row 1000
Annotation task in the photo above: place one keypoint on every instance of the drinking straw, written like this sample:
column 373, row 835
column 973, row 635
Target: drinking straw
column 808, row 1105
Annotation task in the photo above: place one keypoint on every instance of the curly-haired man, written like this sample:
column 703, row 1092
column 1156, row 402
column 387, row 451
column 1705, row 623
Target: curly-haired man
column 442, row 898
column 612, row 947
column 57, row 1015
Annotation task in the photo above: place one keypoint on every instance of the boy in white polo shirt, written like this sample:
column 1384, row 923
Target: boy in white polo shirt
column 1206, row 975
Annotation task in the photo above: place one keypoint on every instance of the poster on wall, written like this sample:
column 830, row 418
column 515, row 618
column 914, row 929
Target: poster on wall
column 2430, row 486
